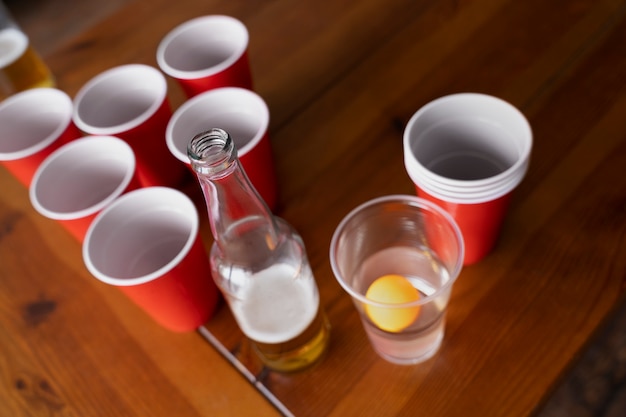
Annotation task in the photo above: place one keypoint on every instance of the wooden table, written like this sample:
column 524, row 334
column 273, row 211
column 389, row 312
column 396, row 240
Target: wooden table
column 341, row 79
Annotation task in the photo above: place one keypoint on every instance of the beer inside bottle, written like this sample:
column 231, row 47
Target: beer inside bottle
column 279, row 311
column 21, row 67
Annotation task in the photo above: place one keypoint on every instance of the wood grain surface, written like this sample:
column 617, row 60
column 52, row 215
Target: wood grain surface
column 342, row 79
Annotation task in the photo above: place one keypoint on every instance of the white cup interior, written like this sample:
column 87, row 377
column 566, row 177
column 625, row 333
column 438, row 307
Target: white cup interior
column 202, row 46
column 467, row 148
column 32, row 120
column 240, row 112
column 82, row 177
column 119, row 99
column 141, row 236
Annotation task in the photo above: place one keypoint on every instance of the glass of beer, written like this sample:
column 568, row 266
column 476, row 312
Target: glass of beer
column 21, row 67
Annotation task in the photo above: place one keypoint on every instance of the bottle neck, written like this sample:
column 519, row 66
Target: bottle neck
column 6, row 18
column 231, row 199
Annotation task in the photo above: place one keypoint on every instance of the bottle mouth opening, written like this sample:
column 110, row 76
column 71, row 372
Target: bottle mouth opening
column 211, row 151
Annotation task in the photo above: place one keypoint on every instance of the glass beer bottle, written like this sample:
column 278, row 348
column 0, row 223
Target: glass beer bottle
column 258, row 261
column 21, row 67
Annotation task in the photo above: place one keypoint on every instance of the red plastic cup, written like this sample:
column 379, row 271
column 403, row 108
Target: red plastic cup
column 467, row 153
column 34, row 123
column 205, row 53
column 75, row 182
column 245, row 116
column 130, row 102
column 147, row 244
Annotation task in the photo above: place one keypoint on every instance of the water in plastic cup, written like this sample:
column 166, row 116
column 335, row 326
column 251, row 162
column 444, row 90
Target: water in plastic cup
column 415, row 241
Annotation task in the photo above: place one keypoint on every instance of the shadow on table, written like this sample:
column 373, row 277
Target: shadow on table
column 597, row 385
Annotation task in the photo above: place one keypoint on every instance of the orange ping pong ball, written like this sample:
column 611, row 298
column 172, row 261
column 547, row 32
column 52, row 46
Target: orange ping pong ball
column 392, row 289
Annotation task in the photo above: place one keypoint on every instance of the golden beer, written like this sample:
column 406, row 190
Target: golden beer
column 280, row 312
column 299, row 352
column 21, row 67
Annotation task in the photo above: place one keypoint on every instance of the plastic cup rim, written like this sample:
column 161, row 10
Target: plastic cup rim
column 163, row 270
column 415, row 202
column 208, row 96
column 467, row 191
column 160, row 87
column 64, row 121
column 82, row 142
column 205, row 72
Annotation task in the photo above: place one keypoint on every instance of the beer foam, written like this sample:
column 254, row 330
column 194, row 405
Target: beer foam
column 277, row 306
column 13, row 43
